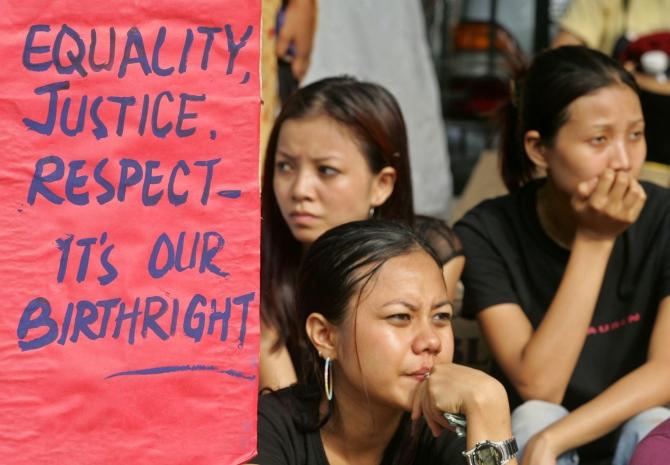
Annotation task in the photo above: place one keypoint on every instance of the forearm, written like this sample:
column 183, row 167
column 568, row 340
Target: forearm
column 489, row 419
column 563, row 330
column 646, row 387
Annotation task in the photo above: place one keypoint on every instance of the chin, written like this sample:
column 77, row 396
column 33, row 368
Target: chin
column 403, row 397
column 306, row 236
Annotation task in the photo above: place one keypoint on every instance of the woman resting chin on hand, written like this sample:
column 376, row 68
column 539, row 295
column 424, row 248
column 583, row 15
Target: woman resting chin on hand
column 380, row 386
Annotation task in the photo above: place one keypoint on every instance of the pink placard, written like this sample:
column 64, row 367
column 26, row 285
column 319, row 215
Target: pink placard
column 129, row 231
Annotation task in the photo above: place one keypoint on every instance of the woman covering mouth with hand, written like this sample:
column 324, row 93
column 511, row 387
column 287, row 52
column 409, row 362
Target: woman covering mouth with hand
column 569, row 274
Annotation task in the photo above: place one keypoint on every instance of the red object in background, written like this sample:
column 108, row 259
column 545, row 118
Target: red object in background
column 635, row 49
column 129, row 232
column 480, row 71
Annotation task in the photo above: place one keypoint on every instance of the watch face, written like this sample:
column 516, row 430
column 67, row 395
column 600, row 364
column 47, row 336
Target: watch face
column 488, row 455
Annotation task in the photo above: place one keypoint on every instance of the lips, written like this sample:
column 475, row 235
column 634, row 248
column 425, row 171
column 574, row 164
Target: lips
column 302, row 217
column 421, row 374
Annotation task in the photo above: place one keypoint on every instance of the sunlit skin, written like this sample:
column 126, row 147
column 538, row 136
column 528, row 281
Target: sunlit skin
column 322, row 179
column 590, row 198
column 592, row 164
column 395, row 332
column 400, row 330
column 604, row 130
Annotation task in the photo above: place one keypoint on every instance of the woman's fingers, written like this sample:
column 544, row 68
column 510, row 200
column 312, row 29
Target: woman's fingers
column 620, row 186
column 634, row 201
column 416, row 401
column 598, row 199
column 613, row 205
column 295, row 38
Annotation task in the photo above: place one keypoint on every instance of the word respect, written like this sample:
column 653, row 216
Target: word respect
column 51, row 183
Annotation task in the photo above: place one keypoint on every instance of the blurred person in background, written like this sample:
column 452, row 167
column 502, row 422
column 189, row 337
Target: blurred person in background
column 384, row 41
column 627, row 30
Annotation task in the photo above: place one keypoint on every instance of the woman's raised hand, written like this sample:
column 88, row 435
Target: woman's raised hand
column 460, row 390
column 606, row 206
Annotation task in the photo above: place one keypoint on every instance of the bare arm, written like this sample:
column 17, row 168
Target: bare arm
column 276, row 369
column 451, row 271
column 523, row 354
column 566, row 38
column 459, row 389
column 646, row 387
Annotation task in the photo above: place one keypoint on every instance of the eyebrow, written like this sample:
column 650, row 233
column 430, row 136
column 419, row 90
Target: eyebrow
column 285, row 154
column 413, row 307
column 293, row 157
column 606, row 125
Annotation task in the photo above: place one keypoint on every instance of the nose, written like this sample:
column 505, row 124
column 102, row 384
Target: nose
column 303, row 186
column 426, row 340
column 620, row 158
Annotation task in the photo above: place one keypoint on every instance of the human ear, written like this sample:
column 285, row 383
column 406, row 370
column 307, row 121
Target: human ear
column 535, row 149
column 323, row 335
column 382, row 186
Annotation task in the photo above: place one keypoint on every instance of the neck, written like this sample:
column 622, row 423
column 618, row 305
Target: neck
column 556, row 215
column 359, row 431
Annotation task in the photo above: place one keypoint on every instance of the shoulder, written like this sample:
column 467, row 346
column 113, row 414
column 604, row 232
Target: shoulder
column 439, row 236
column 587, row 19
column 275, row 414
column 658, row 197
column 295, row 406
column 495, row 216
column 595, row 10
column 281, row 438
column 656, row 211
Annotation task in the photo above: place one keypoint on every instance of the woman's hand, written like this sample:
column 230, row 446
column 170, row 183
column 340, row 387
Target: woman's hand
column 297, row 30
column 606, row 206
column 539, row 451
column 458, row 389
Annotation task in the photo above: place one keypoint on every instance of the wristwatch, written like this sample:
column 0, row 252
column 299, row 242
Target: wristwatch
column 492, row 452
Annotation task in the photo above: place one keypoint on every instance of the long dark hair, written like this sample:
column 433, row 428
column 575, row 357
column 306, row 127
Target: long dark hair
column 332, row 277
column 373, row 117
column 541, row 97
column 337, row 267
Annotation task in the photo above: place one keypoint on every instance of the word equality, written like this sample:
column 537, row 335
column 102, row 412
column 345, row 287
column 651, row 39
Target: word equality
column 42, row 51
column 158, row 114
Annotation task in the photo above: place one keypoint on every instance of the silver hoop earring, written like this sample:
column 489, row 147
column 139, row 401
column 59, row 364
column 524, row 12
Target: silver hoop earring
column 371, row 213
column 328, row 378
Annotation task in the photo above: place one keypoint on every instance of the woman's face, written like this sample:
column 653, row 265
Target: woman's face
column 400, row 330
column 322, row 179
column 604, row 130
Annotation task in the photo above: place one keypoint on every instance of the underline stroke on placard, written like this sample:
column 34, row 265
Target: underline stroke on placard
column 177, row 368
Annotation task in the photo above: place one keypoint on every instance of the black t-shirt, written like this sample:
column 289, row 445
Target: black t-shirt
column 510, row 259
column 283, row 438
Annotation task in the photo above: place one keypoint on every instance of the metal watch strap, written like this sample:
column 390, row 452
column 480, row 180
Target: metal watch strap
column 508, row 449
